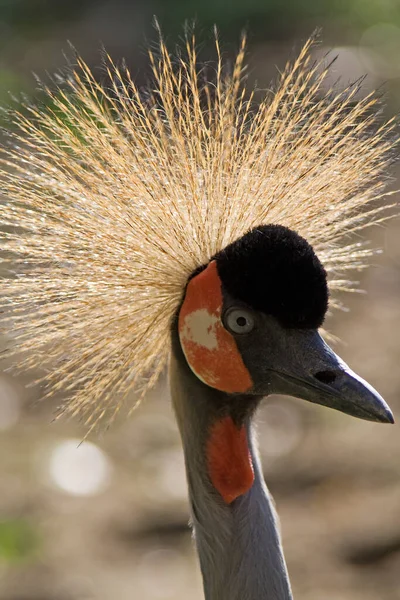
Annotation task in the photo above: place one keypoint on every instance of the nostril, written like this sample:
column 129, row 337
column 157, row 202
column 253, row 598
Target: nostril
column 325, row 376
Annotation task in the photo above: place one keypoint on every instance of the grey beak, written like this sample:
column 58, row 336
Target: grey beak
column 314, row 372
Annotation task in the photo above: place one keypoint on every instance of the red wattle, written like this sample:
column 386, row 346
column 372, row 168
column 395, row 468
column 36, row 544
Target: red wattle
column 229, row 460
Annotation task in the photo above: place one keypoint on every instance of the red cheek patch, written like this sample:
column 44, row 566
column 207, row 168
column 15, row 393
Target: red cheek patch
column 230, row 465
column 210, row 350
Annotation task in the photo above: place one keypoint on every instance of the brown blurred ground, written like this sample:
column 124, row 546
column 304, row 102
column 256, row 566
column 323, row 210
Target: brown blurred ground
column 114, row 525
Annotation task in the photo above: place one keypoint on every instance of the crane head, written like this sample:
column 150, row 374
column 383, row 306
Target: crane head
column 249, row 325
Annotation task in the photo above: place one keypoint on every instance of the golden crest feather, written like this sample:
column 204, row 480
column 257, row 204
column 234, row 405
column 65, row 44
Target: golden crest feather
column 113, row 198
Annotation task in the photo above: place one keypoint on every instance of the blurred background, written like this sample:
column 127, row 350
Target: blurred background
column 108, row 520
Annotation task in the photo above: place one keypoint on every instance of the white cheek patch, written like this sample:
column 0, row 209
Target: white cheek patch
column 200, row 327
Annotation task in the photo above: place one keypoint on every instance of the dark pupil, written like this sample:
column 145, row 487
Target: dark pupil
column 241, row 321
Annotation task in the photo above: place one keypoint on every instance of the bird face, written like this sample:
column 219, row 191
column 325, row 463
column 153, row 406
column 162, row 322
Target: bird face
column 249, row 324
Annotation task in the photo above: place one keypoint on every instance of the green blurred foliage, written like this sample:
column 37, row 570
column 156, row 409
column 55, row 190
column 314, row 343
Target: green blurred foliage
column 10, row 82
column 42, row 27
column 34, row 17
column 18, row 541
column 267, row 18
column 279, row 18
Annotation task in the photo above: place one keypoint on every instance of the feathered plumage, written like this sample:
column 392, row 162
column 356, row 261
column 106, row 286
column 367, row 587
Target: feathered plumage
column 114, row 197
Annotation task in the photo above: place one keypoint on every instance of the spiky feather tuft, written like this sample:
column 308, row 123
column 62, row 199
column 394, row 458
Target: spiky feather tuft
column 113, row 199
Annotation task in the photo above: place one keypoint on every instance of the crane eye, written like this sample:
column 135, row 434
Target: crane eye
column 239, row 320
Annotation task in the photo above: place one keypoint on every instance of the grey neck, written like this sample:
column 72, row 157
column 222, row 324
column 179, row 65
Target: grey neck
column 238, row 544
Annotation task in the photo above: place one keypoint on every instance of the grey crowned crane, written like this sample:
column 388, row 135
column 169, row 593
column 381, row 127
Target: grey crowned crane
column 194, row 226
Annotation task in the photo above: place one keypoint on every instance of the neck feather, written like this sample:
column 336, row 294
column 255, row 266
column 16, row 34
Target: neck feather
column 239, row 543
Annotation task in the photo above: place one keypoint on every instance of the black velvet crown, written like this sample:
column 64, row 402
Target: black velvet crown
column 276, row 271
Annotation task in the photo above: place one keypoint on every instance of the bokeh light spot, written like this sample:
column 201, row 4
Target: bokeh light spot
column 79, row 469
